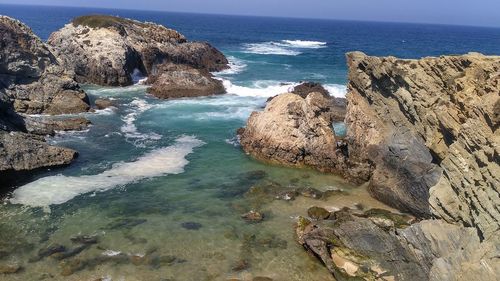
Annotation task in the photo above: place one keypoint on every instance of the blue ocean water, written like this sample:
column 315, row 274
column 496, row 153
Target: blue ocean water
column 148, row 168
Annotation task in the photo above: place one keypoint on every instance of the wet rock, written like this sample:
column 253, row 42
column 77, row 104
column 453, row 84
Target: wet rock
column 318, row 213
column 253, row 216
column 191, row 225
column 103, row 103
column 84, row 239
column 288, row 195
column 179, row 81
column 9, row 268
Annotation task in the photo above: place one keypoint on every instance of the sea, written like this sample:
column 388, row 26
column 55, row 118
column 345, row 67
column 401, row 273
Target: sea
column 159, row 186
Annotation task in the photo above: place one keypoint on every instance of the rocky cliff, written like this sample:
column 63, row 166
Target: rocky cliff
column 429, row 129
column 32, row 77
column 109, row 50
column 32, row 81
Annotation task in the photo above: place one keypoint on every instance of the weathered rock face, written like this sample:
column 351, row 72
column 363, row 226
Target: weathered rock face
column 337, row 106
column 294, row 131
column 429, row 129
column 31, row 76
column 106, row 50
column 378, row 245
column 177, row 81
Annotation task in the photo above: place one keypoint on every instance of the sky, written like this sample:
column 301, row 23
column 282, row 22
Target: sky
column 457, row 12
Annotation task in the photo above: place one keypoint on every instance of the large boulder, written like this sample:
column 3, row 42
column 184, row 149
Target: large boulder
column 32, row 77
column 108, row 50
column 177, row 81
column 295, row 131
column 379, row 245
column 429, row 130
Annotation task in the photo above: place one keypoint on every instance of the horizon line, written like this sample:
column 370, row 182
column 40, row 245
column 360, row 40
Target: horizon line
column 251, row 15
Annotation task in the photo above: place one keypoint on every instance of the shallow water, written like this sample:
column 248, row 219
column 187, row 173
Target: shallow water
column 164, row 183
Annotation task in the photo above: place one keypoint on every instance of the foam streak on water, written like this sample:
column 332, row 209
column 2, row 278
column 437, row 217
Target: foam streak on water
column 60, row 189
column 283, row 47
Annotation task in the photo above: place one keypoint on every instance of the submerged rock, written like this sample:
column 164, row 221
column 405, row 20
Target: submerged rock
column 10, row 268
column 191, row 225
column 429, row 129
column 317, row 213
column 253, row 216
column 108, row 50
column 103, row 103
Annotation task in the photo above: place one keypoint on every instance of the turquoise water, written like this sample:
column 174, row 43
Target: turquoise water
column 162, row 184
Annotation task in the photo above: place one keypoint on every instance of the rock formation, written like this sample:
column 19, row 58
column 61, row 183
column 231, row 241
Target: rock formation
column 176, row 81
column 379, row 245
column 32, row 81
column 107, row 50
column 294, row 131
column 31, row 76
column 429, row 129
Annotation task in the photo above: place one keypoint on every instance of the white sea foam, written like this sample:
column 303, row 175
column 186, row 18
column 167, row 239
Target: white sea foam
column 305, row 44
column 270, row 48
column 263, row 88
column 283, row 47
column 235, row 66
column 138, row 78
column 137, row 107
column 336, row 90
column 60, row 189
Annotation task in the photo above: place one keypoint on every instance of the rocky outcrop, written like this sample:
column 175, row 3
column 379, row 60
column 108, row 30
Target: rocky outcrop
column 379, row 245
column 295, row 131
column 177, row 81
column 31, row 76
column 429, row 130
column 109, row 50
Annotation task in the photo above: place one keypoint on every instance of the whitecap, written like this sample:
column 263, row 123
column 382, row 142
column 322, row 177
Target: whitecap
column 269, row 48
column 235, row 66
column 138, row 78
column 111, row 253
column 283, row 47
column 305, row 44
column 59, row 189
column 261, row 88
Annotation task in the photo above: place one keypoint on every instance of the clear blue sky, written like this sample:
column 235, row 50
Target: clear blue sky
column 461, row 12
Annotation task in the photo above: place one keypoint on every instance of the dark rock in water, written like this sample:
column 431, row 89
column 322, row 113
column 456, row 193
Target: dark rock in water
column 306, row 88
column 253, row 216
column 318, row 213
column 10, row 268
column 358, row 246
column 240, row 265
column 117, row 49
column 255, row 175
column 288, row 195
column 84, row 239
column 103, row 103
column 191, row 225
column 179, row 81
column 49, row 251
column 310, row 192
column 70, row 253
column 125, row 223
